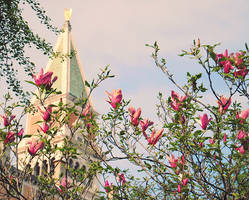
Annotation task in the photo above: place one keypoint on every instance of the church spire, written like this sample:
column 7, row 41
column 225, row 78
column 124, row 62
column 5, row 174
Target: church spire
column 65, row 63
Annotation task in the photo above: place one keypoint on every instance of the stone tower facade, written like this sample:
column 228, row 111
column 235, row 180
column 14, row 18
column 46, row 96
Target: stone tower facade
column 70, row 82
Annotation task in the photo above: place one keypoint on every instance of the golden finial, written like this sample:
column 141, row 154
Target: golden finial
column 67, row 13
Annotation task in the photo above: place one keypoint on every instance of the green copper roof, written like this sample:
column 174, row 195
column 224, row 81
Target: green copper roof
column 77, row 86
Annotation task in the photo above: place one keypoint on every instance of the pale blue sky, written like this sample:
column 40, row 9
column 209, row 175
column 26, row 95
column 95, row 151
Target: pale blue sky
column 115, row 32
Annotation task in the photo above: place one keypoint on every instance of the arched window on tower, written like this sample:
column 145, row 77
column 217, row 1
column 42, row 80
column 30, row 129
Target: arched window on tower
column 44, row 167
column 51, row 163
column 70, row 166
column 83, row 168
column 37, row 169
column 71, row 163
column 77, row 165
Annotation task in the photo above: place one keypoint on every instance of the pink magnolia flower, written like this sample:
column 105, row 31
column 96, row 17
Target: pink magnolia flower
column 238, row 59
column 47, row 113
column 226, row 63
column 175, row 105
column 201, row 144
column 115, row 98
column 211, row 141
column 179, row 188
column 241, row 149
column 34, row 147
column 44, row 79
column 20, row 133
column 64, row 184
column 145, row 123
column 214, row 156
column 135, row 114
column 107, row 186
column 244, row 114
column 10, row 137
column 185, row 181
column 121, row 178
column 237, row 115
column 86, row 109
column 204, row 121
column 45, row 128
column 172, row 161
column 227, row 66
column 225, row 137
column 241, row 135
column 154, row 137
column 7, row 120
column 224, row 103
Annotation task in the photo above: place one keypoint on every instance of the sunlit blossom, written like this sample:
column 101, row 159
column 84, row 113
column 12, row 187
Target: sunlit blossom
column 115, row 98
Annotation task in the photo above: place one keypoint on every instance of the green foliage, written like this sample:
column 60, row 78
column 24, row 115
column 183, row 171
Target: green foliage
column 15, row 36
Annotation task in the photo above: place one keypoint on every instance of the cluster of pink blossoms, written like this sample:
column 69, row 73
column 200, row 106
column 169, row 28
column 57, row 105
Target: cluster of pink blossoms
column 7, row 119
column 115, row 99
column 155, row 136
column 177, row 165
column 231, row 63
column 42, row 80
column 223, row 105
column 87, row 115
column 242, row 136
column 177, row 103
column 34, row 145
column 11, row 135
column 120, row 178
column 46, row 115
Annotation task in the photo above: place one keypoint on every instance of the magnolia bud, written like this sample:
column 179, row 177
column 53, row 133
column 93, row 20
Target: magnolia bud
column 198, row 43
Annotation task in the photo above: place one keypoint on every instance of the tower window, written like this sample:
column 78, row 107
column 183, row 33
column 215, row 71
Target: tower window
column 37, row 169
column 76, row 165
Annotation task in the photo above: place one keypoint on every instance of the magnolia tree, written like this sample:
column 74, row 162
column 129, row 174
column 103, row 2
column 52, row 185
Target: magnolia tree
column 199, row 152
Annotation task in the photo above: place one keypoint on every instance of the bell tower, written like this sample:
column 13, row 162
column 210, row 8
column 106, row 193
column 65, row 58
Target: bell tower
column 67, row 67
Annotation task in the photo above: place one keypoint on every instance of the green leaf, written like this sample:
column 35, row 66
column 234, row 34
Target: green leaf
column 87, row 84
column 31, row 82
